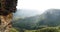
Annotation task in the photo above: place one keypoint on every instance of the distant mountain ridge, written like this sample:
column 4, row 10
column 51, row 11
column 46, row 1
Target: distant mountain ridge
column 25, row 13
column 49, row 18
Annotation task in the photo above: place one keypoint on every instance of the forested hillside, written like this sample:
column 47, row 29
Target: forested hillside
column 50, row 18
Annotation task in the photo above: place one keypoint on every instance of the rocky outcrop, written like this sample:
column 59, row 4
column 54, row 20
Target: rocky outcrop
column 7, row 7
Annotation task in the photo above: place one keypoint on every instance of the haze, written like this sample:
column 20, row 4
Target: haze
column 38, row 5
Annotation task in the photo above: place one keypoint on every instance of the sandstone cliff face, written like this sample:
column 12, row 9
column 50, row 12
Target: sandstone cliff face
column 7, row 8
column 5, row 24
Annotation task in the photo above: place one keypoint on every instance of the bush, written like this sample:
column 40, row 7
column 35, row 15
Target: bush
column 14, row 30
column 48, row 30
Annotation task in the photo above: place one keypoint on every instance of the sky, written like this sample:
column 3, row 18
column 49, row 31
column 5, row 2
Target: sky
column 39, row 5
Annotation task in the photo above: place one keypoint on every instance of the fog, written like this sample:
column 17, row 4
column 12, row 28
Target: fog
column 39, row 6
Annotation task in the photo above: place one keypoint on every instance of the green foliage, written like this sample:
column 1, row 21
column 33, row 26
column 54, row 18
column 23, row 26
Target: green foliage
column 14, row 30
column 49, row 30
column 44, row 30
column 47, row 19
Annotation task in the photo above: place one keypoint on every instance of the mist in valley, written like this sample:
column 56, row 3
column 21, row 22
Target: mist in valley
column 37, row 16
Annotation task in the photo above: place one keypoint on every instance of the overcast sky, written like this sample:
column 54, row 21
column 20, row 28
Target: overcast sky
column 39, row 5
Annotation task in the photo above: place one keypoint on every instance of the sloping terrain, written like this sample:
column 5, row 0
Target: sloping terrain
column 49, row 18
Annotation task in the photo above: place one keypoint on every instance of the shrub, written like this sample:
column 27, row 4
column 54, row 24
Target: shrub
column 14, row 30
column 48, row 30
